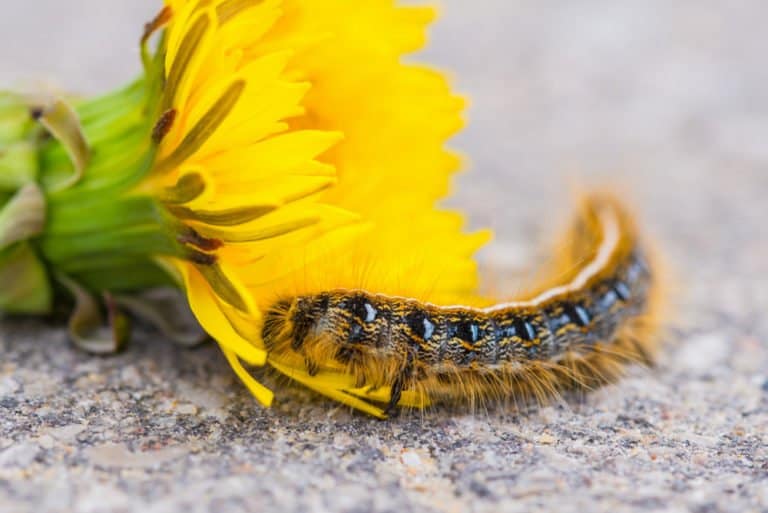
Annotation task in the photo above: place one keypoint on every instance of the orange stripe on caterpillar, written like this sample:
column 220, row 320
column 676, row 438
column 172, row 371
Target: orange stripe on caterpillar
column 579, row 333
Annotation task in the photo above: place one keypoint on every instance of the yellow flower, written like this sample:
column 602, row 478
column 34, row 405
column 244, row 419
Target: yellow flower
column 318, row 158
column 271, row 148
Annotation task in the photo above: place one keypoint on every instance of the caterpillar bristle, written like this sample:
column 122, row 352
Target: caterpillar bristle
column 598, row 316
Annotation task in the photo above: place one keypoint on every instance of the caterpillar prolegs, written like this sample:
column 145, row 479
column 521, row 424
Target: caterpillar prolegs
column 578, row 333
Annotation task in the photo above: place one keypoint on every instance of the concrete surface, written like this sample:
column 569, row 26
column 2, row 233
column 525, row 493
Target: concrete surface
column 667, row 99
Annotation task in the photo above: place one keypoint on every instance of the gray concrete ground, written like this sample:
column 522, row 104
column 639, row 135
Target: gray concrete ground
column 669, row 100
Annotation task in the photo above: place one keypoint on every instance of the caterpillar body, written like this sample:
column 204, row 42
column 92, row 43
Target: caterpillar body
column 578, row 333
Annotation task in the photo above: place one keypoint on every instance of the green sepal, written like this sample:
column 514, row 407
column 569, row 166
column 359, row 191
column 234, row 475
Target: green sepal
column 139, row 274
column 18, row 143
column 25, row 287
column 62, row 122
column 23, row 217
column 87, row 327
column 18, row 164
column 168, row 311
column 97, row 226
column 15, row 119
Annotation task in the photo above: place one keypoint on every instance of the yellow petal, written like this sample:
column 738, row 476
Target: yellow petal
column 328, row 385
column 208, row 311
column 259, row 391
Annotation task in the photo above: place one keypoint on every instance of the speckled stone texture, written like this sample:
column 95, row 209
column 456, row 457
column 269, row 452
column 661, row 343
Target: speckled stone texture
column 666, row 100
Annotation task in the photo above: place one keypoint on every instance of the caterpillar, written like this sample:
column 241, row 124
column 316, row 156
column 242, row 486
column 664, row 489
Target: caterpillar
column 578, row 332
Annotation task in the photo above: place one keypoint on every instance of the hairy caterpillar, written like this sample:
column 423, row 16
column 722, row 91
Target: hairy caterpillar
column 579, row 332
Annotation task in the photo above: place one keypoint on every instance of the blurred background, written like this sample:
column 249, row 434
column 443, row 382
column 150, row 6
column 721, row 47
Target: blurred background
column 658, row 98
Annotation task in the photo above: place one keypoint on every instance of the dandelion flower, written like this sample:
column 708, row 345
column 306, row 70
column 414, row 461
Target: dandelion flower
column 271, row 148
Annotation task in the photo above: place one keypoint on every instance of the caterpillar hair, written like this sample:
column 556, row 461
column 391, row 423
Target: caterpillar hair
column 580, row 332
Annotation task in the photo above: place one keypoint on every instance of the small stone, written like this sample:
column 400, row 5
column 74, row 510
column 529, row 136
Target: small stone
column 130, row 376
column 546, row 439
column 112, row 455
column 699, row 458
column 46, row 442
column 342, row 440
column 19, row 455
column 8, row 386
column 67, row 433
column 187, row 409
column 410, row 459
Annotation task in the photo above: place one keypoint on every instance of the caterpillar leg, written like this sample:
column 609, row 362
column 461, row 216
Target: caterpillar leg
column 398, row 385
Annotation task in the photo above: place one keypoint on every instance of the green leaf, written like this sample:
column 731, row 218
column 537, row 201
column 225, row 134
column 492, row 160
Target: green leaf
column 23, row 217
column 25, row 286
